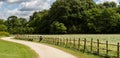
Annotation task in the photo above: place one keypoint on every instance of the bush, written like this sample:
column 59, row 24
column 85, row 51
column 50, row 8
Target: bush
column 4, row 34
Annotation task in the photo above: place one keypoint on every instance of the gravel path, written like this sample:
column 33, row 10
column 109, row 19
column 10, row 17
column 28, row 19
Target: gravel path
column 43, row 51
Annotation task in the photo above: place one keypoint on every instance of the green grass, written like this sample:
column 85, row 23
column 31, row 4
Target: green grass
column 14, row 50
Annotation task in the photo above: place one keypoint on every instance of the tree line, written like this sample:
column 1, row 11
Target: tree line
column 68, row 17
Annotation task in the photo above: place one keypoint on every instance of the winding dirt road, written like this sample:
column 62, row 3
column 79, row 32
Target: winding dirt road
column 42, row 50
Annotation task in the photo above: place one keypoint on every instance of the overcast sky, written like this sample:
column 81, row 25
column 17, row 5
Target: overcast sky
column 25, row 8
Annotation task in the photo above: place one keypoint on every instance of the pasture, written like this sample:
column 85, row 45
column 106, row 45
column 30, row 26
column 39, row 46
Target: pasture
column 112, row 38
column 14, row 50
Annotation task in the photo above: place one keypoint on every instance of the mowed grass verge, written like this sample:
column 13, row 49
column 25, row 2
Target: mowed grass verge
column 15, row 50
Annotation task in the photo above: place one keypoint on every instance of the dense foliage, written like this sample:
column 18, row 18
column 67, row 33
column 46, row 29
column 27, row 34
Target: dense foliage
column 68, row 16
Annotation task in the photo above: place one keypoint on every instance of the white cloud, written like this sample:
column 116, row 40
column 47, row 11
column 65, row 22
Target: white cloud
column 102, row 1
column 14, row 1
column 25, row 7
column 16, row 12
column 1, row 4
column 35, row 5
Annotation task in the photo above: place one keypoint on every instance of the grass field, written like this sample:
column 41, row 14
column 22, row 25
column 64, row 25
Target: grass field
column 112, row 38
column 14, row 50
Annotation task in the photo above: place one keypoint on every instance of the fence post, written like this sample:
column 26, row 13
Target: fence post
column 84, row 45
column 118, row 50
column 70, row 43
column 28, row 36
column 63, row 42
column 60, row 41
column 66, row 42
column 57, row 41
column 79, row 44
column 91, row 47
column 106, row 48
column 98, row 46
column 74, row 43
column 53, row 40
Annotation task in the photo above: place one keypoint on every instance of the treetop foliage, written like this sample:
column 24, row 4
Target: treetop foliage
column 68, row 16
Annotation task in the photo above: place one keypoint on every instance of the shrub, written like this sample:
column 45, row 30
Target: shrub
column 4, row 33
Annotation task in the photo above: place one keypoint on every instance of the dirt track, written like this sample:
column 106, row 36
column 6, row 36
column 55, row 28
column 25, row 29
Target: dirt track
column 42, row 50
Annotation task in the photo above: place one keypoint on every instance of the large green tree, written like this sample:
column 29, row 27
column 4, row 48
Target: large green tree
column 70, row 13
column 103, row 21
column 16, row 25
column 38, row 21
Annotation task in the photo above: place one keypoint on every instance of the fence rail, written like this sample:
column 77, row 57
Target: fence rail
column 94, row 47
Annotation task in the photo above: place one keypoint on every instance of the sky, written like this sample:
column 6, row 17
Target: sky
column 25, row 8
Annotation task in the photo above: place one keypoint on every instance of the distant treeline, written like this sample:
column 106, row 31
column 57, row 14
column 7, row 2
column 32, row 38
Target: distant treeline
column 68, row 17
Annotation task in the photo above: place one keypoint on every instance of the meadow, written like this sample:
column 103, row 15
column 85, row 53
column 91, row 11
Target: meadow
column 112, row 38
column 14, row 50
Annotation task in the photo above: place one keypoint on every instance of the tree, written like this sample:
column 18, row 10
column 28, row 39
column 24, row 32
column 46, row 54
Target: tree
column 104, row 21
column 92, row 17
column 109, row 4
column 16, row 25
column 12, row 22
column 38, row 21
column 1, row 21
column 23, row 22
column 70, row 12
column 3, row 27
column 58, row 28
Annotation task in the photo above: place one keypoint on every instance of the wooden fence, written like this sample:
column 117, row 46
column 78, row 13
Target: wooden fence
column 94, row 47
